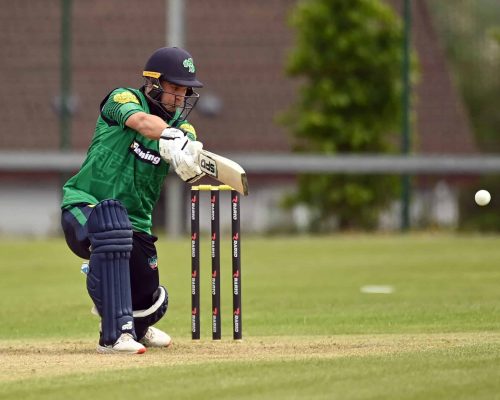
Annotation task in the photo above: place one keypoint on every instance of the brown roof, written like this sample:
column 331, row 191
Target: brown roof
column 441, row 120
column 239, row 48
column 111, row 42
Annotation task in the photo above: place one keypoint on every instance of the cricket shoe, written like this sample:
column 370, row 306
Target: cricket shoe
column 124, row 345
column 156, row 338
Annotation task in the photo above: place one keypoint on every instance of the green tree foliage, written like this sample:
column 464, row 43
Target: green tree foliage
column 468, row 30
column 495, row 34
column 348, row 54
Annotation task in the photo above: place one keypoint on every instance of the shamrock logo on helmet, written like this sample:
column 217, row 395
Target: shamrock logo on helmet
column 188, row 63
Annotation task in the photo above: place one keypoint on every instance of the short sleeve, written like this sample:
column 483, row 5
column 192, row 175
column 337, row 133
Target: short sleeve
column 188, row 129
column 121, row 104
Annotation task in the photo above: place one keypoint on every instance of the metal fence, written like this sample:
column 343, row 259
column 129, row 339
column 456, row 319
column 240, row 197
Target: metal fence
column 285, row 163
column 272, row 164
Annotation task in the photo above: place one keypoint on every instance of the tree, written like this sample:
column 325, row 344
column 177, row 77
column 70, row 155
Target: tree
column 495, row 34
column 469, row 30
column 348, row 53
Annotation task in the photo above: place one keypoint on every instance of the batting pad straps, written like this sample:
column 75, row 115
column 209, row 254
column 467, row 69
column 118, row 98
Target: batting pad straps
column 162, row 300
column 154, row 313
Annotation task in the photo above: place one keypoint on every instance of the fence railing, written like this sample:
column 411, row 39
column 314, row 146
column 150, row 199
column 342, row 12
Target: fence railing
column 266, row 163
column 280, row 163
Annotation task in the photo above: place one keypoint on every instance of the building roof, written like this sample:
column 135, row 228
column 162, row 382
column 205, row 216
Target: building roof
column 441, row 122
column 240, row 50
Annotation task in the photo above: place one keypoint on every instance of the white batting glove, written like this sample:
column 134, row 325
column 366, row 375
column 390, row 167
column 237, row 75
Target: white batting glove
column 182, row 153
column 172, row 141
column 194, row 149
column 186, row 162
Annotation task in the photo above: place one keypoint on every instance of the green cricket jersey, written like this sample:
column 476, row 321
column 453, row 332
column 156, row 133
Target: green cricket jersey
column 121, row 163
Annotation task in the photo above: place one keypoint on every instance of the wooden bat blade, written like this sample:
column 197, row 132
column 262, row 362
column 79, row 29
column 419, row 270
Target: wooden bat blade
column 224, row 170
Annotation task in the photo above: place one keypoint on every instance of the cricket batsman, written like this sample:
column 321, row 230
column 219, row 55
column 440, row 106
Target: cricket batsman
column 107, row 206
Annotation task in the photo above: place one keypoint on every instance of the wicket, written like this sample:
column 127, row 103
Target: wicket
column 215, row 254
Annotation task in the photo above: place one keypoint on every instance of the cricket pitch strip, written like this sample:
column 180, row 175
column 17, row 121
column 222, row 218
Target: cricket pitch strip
column 38, row 359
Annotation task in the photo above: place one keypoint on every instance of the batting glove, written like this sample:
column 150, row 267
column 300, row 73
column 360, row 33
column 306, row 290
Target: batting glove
column 172, row 141
column 186, row 162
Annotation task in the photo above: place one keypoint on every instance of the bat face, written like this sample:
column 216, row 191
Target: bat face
column 224, row 170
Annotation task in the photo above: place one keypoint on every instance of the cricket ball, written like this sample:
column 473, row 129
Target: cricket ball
column 482, row 197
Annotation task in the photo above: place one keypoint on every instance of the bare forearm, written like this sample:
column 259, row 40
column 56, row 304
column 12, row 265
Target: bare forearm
column 147, row 125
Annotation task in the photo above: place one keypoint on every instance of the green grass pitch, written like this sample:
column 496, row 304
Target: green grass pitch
column 309, row 331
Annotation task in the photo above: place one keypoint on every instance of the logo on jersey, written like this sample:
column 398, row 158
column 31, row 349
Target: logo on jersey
column 144, row 154
column 125, row 97
column 188, row 63
column 153, row 262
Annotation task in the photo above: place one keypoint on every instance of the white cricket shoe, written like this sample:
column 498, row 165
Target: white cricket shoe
column 124, row 345
column 156, row 338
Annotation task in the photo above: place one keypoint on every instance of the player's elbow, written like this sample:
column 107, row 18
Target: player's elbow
column 137, row 121
column 141, row 122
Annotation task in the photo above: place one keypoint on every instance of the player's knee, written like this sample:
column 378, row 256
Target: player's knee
column 109, row 228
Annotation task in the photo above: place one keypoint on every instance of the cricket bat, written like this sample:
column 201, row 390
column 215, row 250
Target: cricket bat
column 224, row 170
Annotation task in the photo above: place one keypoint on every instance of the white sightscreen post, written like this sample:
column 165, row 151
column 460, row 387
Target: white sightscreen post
column 174, row 208
column 175, row 23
